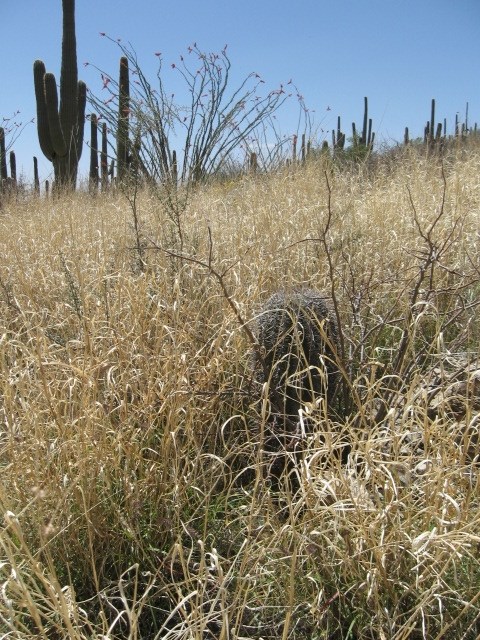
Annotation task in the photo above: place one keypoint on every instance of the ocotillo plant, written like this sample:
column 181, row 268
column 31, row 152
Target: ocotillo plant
column 123, row 113
column 60, row 130
column 216, row 122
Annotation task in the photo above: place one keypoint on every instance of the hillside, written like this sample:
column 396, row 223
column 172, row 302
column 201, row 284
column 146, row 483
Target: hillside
column 134, row 492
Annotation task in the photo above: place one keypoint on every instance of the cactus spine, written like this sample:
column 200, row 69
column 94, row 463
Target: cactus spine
column 123, row 113
column 60, row 129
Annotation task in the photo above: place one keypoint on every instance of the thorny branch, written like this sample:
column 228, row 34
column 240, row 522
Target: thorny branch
column 430, row 256
column 220, row 278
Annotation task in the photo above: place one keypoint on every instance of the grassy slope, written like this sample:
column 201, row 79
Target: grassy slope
column 128, row 408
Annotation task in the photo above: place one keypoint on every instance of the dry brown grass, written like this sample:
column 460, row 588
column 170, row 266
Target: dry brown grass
column 128, row 411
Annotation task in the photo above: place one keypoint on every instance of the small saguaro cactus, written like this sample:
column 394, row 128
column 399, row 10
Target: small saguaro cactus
column 60, row 129
column 298, row 335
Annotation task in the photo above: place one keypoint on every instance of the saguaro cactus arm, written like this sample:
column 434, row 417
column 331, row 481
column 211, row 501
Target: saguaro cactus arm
column 57, row 138
column 42, row 117
column 82, row 102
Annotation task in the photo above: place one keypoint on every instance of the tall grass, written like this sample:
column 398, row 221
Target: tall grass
column 132, row 491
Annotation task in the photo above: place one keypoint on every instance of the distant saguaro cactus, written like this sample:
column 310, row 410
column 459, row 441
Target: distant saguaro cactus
column 93, row 179
column 36, row 179
column 298, row 335
column 3, row 157
column 364, row 139
column 13, row 168
column 104, row 157
column 60, row 130
column 338, row 141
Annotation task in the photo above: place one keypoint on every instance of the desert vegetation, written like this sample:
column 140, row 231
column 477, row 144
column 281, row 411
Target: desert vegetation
column 133, row 495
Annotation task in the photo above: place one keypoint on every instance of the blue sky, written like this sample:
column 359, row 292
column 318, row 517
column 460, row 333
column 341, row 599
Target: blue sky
column 399, row 53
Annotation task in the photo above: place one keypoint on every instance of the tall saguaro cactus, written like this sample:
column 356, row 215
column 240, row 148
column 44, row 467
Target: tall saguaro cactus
column 60, row 130
column 123, row 114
